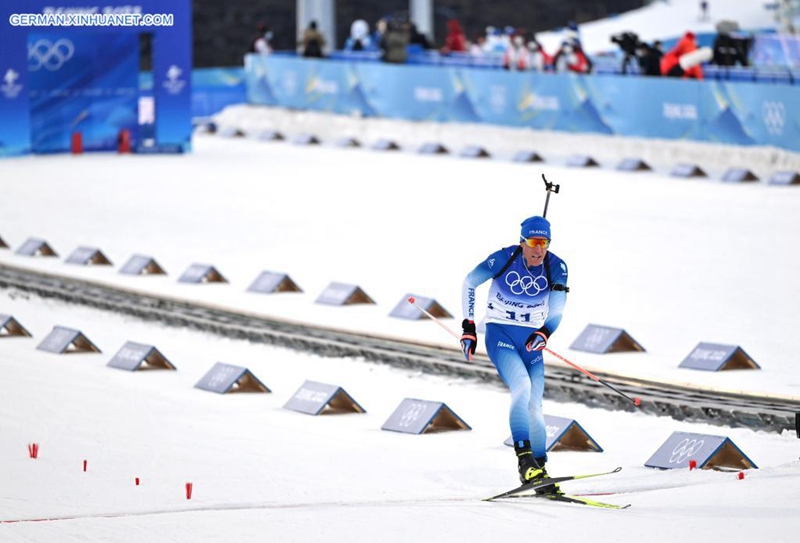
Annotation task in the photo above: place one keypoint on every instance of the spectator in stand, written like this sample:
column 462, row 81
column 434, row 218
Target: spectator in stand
column 260, row 42
column 516, row 56
column 455, row 40
column 570, row 57
column 650, row 58
column 494, row 41
column 394, row 42
column 313, row 41
column 380, row 30
column 671, row 61
column 476, row 46
column 359, row 39
column 538, row 59
column 572, row 34
column 507, row 36
column 415, row 37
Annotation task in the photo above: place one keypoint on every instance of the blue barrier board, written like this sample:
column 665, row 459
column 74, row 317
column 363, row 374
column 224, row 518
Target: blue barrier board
column 35, row 247
column 343, row 294
column 269, row 282
column 604, row 339
column 201, row 273
column 406, row 310
column 313, row 398
column 132, row 355
column 716, row 357
column 785, row 178
column 419, row 416
column 708, row 451
column 738, row 175
column 88, row 255
column 224, row 378
column 565, row 434
column 142, row 265
column 633, row 165
column 9, row 327
column 61, row 340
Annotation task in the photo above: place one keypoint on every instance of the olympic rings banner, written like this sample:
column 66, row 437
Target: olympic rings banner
column 737, row 113
column 71, row 66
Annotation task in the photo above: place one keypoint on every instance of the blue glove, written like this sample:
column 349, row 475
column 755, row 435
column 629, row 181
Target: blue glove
column 537, row 341
column 469, row 339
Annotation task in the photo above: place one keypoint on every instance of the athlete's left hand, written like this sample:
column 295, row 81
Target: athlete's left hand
column 537, row 340
column 469, row 339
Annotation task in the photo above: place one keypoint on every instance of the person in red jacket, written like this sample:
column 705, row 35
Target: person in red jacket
column 455, row 40
column 571, row 58
column 671, row 62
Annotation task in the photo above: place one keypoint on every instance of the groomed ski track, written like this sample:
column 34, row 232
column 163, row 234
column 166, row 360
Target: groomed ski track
column 563, row 384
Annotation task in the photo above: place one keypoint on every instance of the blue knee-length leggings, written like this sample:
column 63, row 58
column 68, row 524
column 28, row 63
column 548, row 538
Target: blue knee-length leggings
column 523, row 373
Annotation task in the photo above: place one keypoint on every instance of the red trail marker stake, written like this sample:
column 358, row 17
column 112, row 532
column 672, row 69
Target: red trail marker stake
column 84, row 465
column 33, row 450
column 137, row 481
column 76, row 144
column 189, row 491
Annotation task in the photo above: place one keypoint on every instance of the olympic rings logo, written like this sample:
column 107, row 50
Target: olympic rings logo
column 774, row 115
column 520, row 285
column 685, row 449
column 49, row 55
column 412, row 414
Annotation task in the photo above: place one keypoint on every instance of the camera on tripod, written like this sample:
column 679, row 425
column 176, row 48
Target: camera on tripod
column 627, row 41
column 630, row 44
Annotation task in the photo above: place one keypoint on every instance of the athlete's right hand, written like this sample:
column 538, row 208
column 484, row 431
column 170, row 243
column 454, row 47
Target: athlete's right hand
column 469, row 339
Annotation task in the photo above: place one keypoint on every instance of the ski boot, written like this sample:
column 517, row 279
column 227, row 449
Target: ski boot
column 532, row 469
column 549, row 489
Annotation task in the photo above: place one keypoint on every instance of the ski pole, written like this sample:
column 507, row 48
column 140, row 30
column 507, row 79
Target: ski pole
column 549, row 187
column 413, row 302
column 636, row 401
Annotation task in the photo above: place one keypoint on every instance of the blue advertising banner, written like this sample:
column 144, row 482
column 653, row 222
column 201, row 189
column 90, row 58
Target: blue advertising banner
column 215, row 88
column 650, row 108
column 85, row 83
column 420, row 93
column 73, row 66
column 767, row 114
column 738, row 113
column 499, row 97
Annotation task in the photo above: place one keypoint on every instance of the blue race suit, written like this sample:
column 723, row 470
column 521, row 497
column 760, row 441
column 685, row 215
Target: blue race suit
column 521, row 300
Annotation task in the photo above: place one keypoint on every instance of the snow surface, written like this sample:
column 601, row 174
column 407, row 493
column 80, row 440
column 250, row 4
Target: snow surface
column 674, row 262
column 667, row 19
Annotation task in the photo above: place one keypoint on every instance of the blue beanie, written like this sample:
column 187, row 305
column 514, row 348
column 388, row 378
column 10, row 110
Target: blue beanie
column 535, row 227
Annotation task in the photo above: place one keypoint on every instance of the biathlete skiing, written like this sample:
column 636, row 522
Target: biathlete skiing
column 526, row 299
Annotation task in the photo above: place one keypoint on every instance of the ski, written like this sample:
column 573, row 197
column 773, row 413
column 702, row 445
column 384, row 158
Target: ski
column 580, row 501
column 528, row 489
